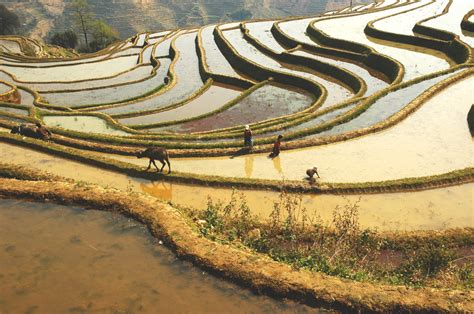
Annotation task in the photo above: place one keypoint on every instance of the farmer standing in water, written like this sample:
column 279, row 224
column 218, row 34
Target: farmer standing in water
column 248, row 137
column 276, row 147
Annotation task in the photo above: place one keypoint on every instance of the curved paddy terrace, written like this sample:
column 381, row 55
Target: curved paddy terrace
column 200, row 106
column 140, row 72
column 75, row 72
column 362, row 93
column 431, row 9
column 451, row 20
column 423, row 210
column 11, row 46
column 214, row 59
column 372, row 81
column 188, row 81
column 110, row 94
column 335, row 92
column 385, row 107
column 268, row 101
column 416, row 61
column 421, row 145
column 85, row 124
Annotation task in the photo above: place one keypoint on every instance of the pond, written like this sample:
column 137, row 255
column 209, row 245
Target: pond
column 66, row 259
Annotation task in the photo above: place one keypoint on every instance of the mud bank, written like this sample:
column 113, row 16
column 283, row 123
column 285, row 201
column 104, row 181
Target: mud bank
column 255, row 271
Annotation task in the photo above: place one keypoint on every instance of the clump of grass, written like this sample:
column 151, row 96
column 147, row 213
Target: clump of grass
column 339, row 248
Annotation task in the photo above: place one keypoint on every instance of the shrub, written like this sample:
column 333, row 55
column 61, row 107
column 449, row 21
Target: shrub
column 67, row 39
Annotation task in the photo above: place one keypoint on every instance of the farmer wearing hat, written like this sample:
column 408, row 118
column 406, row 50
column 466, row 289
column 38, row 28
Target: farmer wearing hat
column 248, row 137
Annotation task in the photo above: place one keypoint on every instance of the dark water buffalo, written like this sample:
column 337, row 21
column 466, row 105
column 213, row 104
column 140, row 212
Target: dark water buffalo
column 32, row 130
column 156, row 153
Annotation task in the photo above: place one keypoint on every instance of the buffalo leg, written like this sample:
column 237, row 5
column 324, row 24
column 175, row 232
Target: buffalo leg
column 163, row 165
column 157, row 169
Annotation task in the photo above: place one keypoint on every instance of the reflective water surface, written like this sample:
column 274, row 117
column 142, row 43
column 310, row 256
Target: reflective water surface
column 424, row 210
column 56, row 259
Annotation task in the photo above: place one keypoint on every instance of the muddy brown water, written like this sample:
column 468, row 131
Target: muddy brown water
column 66, row 259
column 436, row 209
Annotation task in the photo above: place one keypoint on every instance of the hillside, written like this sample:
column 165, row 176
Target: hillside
column 39, row 17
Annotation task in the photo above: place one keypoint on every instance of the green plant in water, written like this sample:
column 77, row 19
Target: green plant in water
column 425, row 262
column 341, row 248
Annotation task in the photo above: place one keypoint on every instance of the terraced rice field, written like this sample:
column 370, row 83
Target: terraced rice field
column 378, row 105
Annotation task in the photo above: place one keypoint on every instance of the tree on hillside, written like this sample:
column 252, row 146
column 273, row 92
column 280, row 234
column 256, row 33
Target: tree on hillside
column 67, row 39
column 83, row 17
column 9, row 21
column 103, row 34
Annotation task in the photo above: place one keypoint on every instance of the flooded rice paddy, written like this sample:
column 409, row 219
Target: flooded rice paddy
column 269, row 101
column 436, row 209
column 384, row 107
column 215, row 60
column 296, row 29
column 262, row 32
column 4, row 88
column 75, row 72
column 212, row 99
column 112, row 94
column 188, row 80
column 58, row 259
column 416, row 63
column 140, row 72
column 14, row 110
column 433, row 140
column 86, row 124
column 67, row 259
column 10, row 46
column 163, row 47
column 336, row 92
column 311, row 123
column 373, row 83
column 415, row 16
column 451, row 21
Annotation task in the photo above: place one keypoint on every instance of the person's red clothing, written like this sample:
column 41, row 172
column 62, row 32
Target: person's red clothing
column 276, row 148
